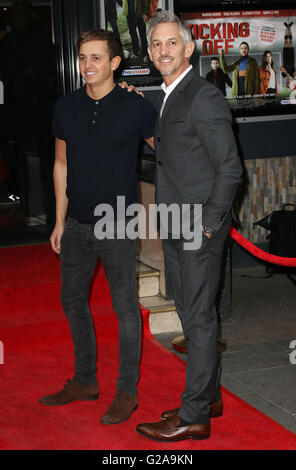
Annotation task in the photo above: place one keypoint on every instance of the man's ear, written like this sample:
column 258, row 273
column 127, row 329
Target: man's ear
column 150, row 54
column 115, row 62
column 189, row 48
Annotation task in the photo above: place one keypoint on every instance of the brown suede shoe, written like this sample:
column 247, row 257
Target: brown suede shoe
column 168, row 430
column 216, row 411
column 72, row 391
column 121, row 408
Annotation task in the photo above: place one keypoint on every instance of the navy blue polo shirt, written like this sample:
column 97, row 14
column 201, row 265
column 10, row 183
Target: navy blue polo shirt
column 102, row 138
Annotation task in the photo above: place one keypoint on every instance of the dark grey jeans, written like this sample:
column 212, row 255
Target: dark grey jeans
column 80, row 251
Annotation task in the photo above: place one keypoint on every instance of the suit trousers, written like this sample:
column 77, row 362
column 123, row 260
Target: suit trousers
column 195, row 276
column 80, row 251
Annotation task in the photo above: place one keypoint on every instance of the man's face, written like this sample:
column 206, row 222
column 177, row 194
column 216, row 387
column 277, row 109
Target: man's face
column 168, row 51
column 244, row 50
column 94, row 63
column 215, row 64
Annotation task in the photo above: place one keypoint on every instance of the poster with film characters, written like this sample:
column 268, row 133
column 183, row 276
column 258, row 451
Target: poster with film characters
column 128, row 19
column 249, row 55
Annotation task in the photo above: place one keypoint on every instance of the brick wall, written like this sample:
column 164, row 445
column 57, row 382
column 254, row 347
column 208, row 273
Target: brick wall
column 269, row 183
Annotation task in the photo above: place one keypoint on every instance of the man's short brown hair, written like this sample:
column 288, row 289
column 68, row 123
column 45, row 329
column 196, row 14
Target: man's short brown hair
column 114, row 46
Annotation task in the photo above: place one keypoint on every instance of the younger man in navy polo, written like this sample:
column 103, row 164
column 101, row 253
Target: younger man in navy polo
column 98, row 129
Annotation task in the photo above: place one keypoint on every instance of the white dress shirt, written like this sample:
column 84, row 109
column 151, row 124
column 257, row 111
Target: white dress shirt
column 168, row 89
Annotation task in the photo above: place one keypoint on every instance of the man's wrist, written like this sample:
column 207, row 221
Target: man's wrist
column 60, row 221
column 207, row 229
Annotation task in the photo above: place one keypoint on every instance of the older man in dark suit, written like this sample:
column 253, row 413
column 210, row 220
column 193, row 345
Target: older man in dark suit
column 197, row 163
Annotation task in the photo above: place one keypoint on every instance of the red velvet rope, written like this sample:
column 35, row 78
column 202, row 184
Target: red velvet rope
column 254, row 250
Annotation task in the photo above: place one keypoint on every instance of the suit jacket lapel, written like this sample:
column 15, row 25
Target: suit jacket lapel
column 175, row 94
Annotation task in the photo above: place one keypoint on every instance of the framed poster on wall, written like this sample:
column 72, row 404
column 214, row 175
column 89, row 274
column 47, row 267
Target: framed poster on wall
column 128, row 19
column 249, row 54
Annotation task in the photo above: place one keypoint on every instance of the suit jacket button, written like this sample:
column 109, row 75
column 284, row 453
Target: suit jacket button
column 159, row 162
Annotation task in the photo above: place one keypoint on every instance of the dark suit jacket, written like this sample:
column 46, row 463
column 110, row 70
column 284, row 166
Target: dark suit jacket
column 197, row 159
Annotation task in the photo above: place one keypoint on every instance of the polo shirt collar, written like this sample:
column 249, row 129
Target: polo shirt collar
column 109, row 97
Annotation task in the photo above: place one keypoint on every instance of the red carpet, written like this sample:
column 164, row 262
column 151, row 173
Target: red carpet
column 38, row 358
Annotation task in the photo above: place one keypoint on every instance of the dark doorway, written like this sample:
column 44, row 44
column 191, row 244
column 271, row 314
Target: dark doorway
column 28, row 76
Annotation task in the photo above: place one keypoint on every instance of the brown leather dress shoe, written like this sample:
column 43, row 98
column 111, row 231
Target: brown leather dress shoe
column 216, row 411
column 72, row 391
column 121, row 408
column 168, row 430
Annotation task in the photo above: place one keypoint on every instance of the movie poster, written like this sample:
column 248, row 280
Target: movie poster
column 249, row 55
column 128, row 19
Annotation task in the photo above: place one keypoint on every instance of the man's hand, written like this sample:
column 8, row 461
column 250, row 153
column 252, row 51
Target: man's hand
column 130, row 88
column 208, row 235
column 55, row 239
column 150, row 142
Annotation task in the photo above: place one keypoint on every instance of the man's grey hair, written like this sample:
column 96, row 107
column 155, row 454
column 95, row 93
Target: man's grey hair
column 168, row 17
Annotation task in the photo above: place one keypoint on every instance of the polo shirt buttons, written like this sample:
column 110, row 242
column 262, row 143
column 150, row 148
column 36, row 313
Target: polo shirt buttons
column 95, row 113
